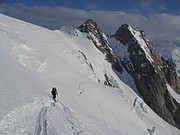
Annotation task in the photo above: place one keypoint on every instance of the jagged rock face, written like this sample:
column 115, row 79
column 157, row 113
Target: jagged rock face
column 100, row 41
column 150, row 73
column 171, row 76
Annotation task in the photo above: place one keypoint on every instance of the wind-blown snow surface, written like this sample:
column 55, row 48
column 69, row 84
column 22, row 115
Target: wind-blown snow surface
column 34, row 59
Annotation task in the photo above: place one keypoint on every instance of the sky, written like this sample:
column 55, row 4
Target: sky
column 158, row 18
column 142, row 6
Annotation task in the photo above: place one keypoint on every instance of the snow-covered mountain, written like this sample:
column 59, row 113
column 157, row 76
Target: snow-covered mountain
column 34, row 59
column 150, row 72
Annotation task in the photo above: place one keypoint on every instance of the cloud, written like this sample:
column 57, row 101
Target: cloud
column 164, row 26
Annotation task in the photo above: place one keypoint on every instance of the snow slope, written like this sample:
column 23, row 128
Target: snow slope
column 34, row 59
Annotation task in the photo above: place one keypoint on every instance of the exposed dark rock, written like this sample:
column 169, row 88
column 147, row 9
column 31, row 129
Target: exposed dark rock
column 110, row 81
column 107, row 80
column 150, row 73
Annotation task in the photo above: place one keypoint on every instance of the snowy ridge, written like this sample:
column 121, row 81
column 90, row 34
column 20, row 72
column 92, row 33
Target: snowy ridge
column 35, row 59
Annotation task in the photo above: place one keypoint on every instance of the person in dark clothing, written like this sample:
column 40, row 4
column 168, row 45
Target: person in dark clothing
column 54, row 93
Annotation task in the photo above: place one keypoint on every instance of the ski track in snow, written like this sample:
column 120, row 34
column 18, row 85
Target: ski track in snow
column 41, row 124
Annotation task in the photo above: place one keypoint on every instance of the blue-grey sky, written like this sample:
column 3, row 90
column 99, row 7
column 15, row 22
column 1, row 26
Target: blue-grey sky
column 142, row 6
column 158, row 18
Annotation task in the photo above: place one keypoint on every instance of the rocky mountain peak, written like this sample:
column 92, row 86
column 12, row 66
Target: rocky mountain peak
column 123, row 34
column 150, row 72
column 89, row 26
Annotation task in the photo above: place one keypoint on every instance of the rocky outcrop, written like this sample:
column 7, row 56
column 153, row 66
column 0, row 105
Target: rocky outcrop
column 150, row 73
column 100, row 41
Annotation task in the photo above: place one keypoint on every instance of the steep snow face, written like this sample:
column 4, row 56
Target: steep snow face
column 34, row 59
column 100, row 41
column 170, row 50
column 86, row 51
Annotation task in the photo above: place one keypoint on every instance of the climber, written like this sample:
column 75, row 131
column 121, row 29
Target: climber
column 54, row 93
